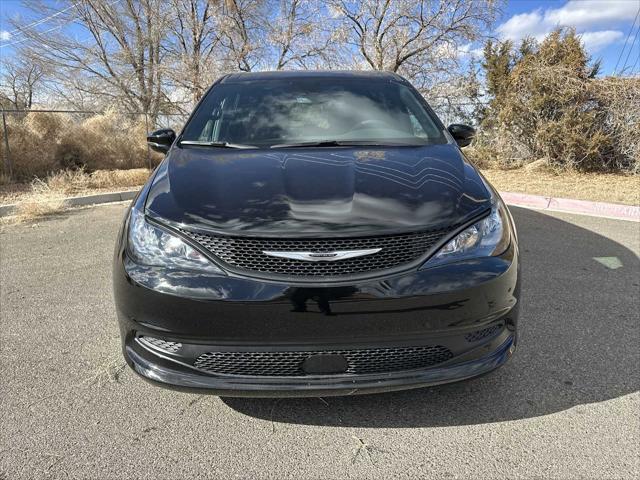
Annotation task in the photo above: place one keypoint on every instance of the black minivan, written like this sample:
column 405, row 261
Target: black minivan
column 315, row 233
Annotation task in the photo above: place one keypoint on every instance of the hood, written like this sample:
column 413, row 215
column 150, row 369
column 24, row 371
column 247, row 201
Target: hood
column 317, row 191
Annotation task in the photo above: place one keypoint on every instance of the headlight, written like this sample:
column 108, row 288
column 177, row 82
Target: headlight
column 488, row 237
column 151, row 245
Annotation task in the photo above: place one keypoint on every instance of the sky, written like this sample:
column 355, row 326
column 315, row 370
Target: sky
column 609, row 28
column 604, row 25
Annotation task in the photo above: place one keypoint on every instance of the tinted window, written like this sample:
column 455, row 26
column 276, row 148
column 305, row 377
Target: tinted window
column 269, row 112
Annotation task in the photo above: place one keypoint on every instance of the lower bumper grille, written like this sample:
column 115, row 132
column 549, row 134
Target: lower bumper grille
column 170, row 347
column 482, row 334
column 290, row 363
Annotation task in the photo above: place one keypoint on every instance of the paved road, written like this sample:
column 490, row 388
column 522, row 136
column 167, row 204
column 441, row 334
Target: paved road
column 566, row 406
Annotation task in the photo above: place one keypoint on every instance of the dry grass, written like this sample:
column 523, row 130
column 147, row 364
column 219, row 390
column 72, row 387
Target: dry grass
column 40, row 202
column 40, row 205
column 599, row 187
column 73, row 182
column 47, row 197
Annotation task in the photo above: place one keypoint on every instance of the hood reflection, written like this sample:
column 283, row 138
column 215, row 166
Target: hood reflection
column 351, row 190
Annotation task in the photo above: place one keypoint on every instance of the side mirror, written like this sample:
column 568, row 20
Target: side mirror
column 161, row 140
column 462, row 134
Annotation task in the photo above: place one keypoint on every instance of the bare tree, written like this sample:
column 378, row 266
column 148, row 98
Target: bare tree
column 412, row 37
column 241, row 27
column 298, row 36
column 21, row 78
column 119, row 57
column 159, row 55
column 272, row 34
column 192, row 46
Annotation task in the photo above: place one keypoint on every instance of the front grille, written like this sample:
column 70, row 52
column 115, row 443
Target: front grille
column 289, row 363
column 170, row 347
column 245, row 253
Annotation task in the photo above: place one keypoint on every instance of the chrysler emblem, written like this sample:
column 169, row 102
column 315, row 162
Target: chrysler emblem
column 323, row 256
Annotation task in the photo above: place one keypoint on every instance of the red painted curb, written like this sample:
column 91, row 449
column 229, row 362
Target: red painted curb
column 524, row 200
column 599, row 209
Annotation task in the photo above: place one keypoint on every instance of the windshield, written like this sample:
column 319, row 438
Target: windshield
column 273, row 113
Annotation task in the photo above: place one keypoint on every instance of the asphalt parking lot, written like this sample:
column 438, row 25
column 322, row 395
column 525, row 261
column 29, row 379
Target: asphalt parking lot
column 566, row 406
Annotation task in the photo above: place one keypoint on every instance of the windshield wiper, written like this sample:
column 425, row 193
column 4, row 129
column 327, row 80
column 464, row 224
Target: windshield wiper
column 201, row 143
column 320, row 143
column 343, row 143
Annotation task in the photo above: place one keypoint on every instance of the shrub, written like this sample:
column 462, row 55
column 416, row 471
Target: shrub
column 43, row 143
column 548, row 106
column 32, row 138
column 549, row 110
column 619, row 101
column 107, row 141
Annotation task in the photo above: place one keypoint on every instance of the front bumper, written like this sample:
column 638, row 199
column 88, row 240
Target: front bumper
column 165, row 372
column 443, row 305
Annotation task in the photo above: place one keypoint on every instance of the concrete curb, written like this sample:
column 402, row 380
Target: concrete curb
column 6, row 210
column 583, row 207
column 538, row 202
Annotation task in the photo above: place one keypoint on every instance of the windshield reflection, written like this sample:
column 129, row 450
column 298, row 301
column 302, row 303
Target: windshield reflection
column 283, row 112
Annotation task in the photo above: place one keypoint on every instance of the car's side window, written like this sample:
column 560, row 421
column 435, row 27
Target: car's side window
column 205, row 135
column 418, row 116
column 212, row 127
column 418, row 131
column 218, row 114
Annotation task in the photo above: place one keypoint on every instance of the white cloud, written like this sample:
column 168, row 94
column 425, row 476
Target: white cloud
column 593, row 13
column 4, row 35
column 584, row 16
column 477, row 53
column 594, row 41
column 523, row 25
column 467, row 50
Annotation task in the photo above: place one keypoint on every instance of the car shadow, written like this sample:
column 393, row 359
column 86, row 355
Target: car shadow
column 578, row 344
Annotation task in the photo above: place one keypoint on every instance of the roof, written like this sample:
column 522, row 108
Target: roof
column 298, row 74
